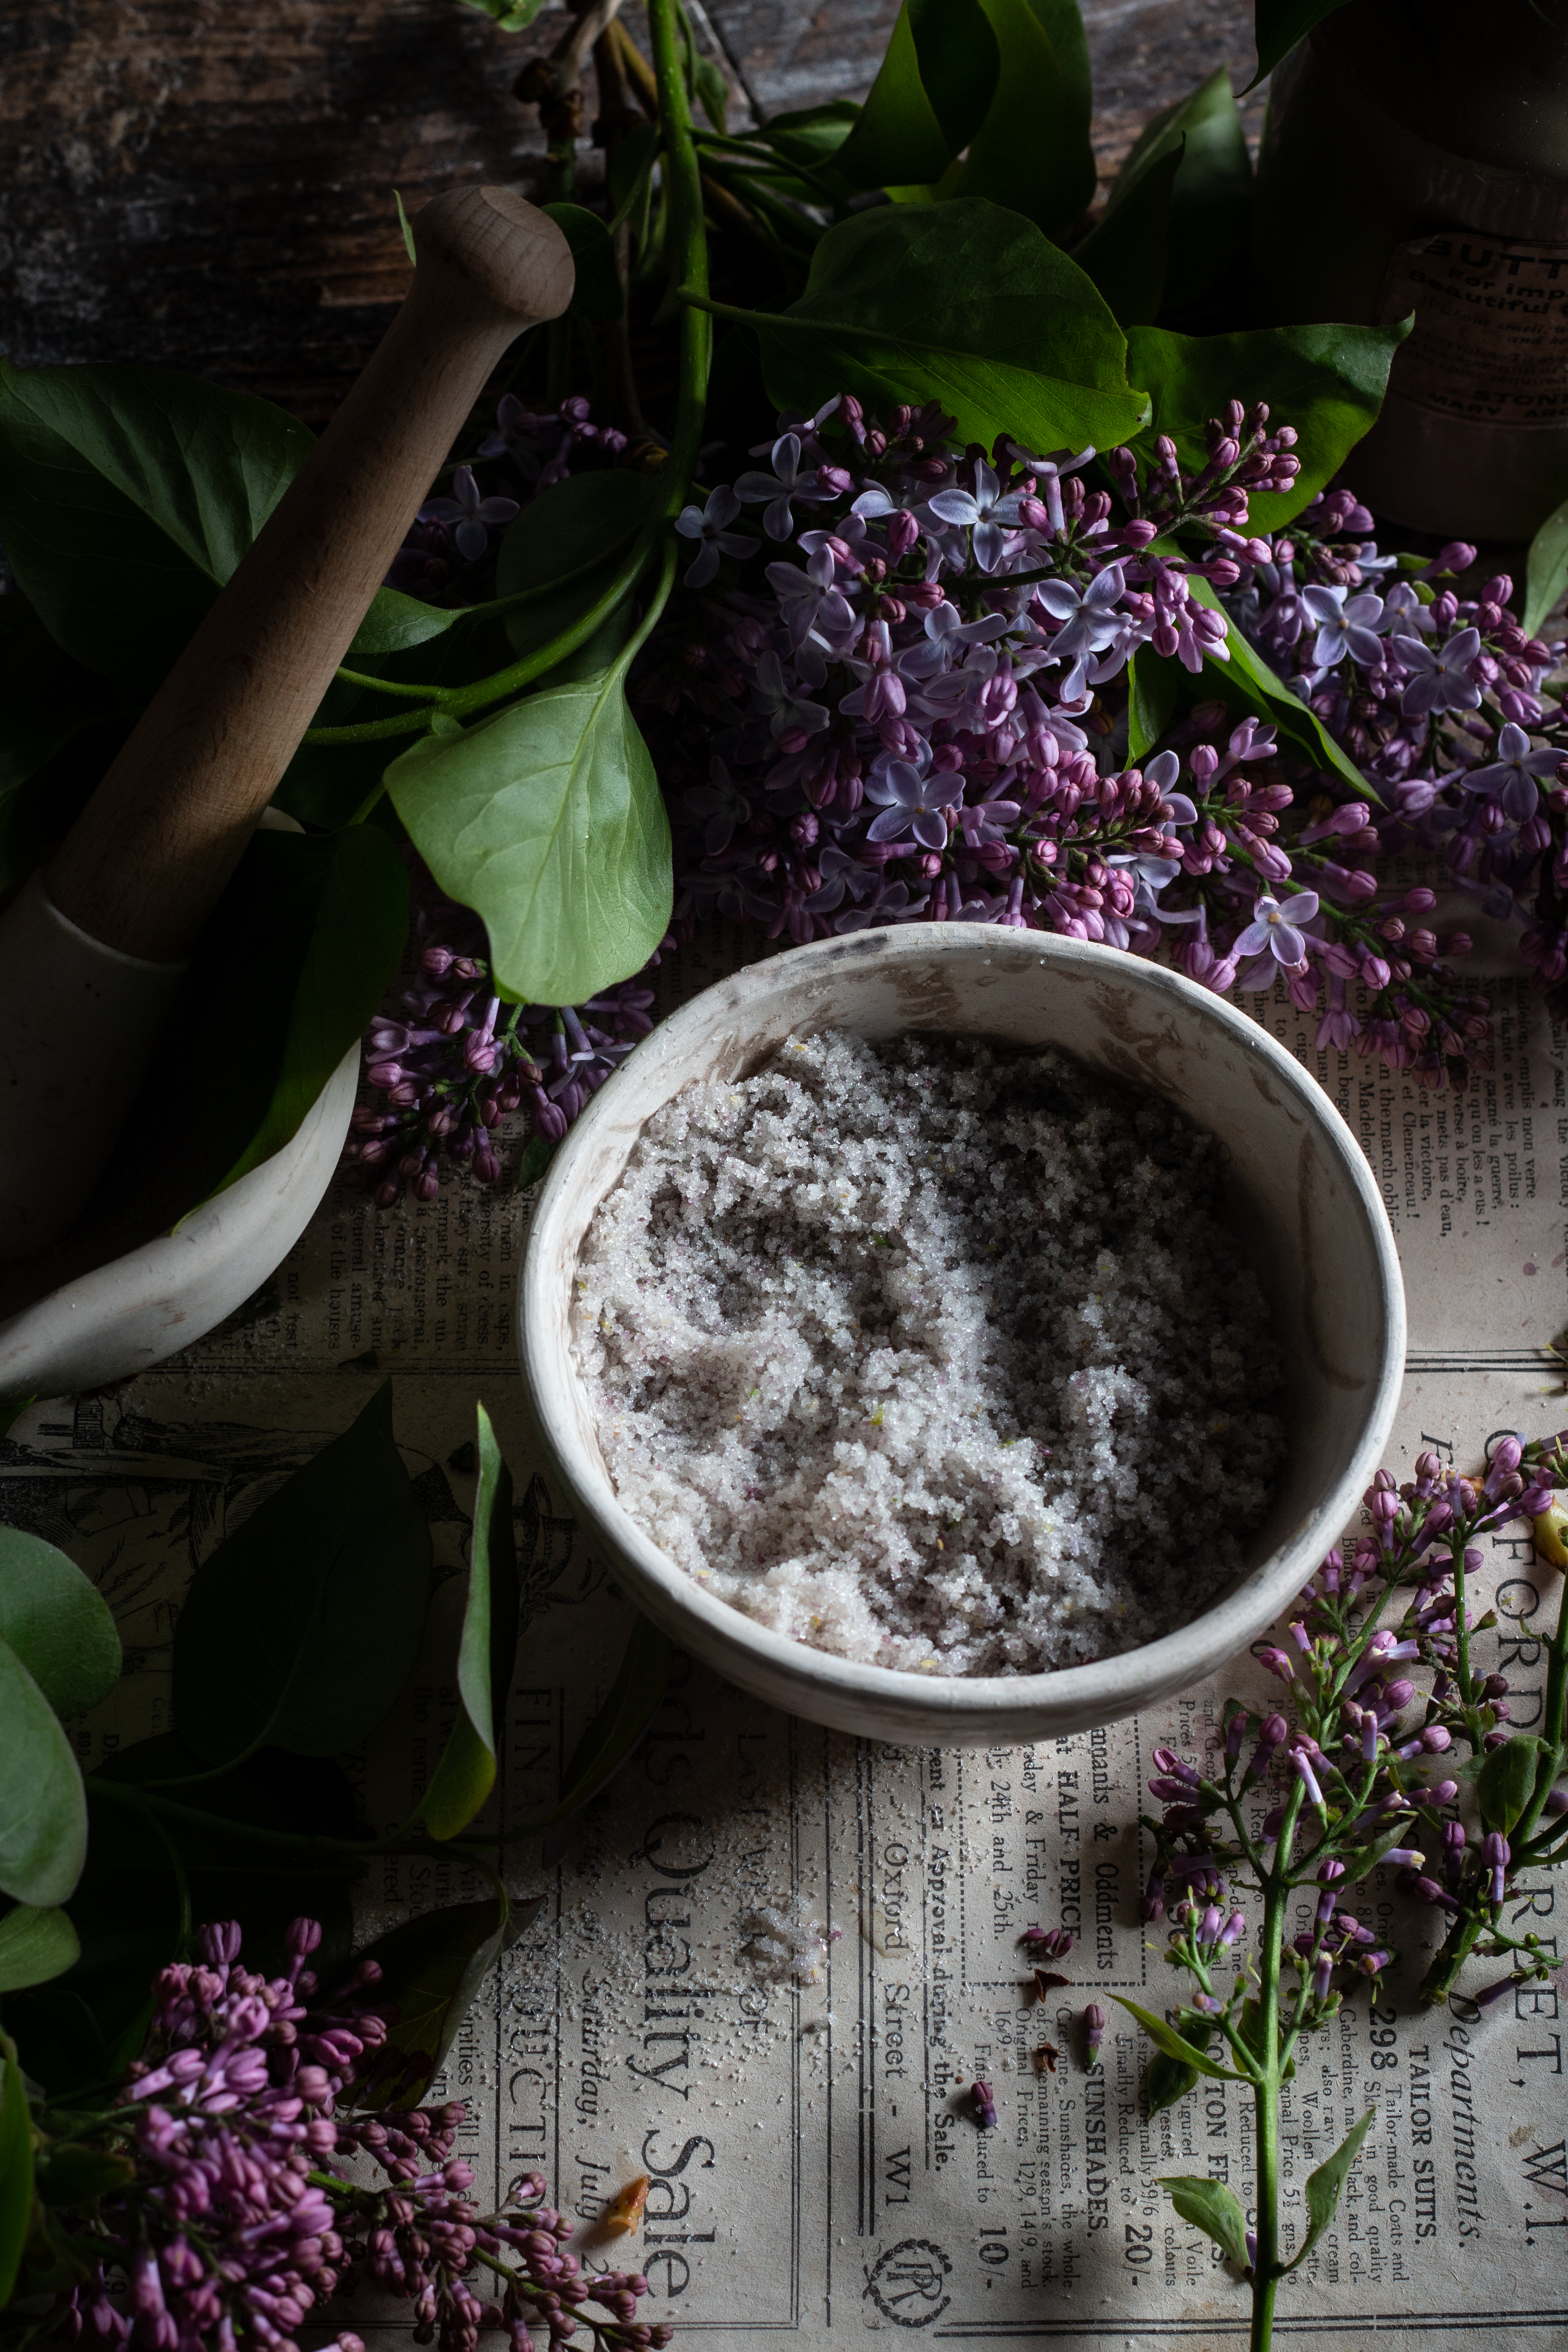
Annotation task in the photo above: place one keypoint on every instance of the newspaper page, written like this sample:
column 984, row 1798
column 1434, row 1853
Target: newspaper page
column 795, row 2084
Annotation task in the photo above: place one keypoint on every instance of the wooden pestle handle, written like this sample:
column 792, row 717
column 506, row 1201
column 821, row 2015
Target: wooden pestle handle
column 146, row 862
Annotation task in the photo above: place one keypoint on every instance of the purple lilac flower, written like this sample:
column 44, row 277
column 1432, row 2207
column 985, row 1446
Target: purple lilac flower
column 883, row 640
column 450, row 1064
column 471, row 516
column 913, row 805
column 237, row 2217
column 1093, row 2031
column 779, row 490
column 1512, row 779
column 1346, row 624
column 709, row 525
column 1442, row 679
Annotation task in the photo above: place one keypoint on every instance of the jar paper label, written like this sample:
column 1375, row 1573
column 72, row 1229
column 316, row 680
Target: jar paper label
column 1491, row 338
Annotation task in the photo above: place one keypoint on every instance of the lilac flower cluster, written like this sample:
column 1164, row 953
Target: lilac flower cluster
column 1349, row 1756
column 449, row 1060
column 1444, row 702
column 922, row 716
column 451, row 534
column 232, row 2222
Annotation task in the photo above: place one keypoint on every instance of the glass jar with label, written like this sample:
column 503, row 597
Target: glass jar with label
column 1415, row 161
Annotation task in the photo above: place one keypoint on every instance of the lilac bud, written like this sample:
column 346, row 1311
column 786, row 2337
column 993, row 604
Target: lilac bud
column 1270, row 1738
column 1278, row 1663
column 1556, row 1802
column 1210, row 1925
column 1322, row 1977
column 1234, row 1928
column 1046, row 1943
column 985, row 2106
column 1488, row 1993
column 1234, row 1733
column 1436, row 1739
column 1094, row 2030
column 1495, row 1856
column 1303, row 1764
column 1151, row 1904
column 1167, row 1760
column 902, row 531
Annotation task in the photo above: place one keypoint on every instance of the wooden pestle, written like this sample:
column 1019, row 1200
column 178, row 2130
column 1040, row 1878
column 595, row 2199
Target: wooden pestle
column 146, row 860
column 90, row 954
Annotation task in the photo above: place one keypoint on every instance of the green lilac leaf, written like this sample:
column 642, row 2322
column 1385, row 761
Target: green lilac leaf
column 1247, row 684
column 302, row 1627
column 1166, row 2037
column 295, row 959
column 563, row 549
column 486, row 1650
column 47, row 700
column 82, row 2028
column 929, row 98
column 963, row 303
column 510, row 16
column 1207, row 207
column 1127, row 250
column 1151, row 701
column 1326, row 381
column 1361, row 1860
column 1546, row 570
column 710, row 91
column 76, row 2175
column 1280, row 23
column 36, row 1945
column 128, row 496
column 431, row 1967
column 813, row 135
column 394, row 623
column 58, row 1622
column 547, row 820
column 1215, row 2210
column 1168, row 2081
column 405, row 228
column 597, row 295
column 15, row 2173
column 1504, row 1785
column 537, row 1154
column 1032, row 152
column 614, row 1730
column 1325, row 2186
column 43, row 1809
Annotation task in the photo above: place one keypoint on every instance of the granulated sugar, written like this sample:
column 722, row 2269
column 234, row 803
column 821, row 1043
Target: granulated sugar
column 932, row 1355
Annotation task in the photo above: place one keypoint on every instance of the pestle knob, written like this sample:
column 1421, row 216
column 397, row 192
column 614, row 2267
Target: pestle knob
column 90, row 952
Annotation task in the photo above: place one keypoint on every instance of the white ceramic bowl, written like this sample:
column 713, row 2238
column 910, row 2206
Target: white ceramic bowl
column 1300, row 1195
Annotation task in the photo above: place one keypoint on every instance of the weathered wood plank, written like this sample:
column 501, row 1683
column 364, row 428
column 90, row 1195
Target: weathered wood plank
column 200, row 186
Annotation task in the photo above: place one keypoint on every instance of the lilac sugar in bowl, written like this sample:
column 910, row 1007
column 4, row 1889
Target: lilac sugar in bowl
column 1294, row 1208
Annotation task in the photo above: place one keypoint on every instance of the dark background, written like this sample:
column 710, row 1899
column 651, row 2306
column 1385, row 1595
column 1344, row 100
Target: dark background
column 207, row 184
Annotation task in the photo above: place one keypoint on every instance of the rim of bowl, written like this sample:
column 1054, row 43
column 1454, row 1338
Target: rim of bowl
column 1109, row 1681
